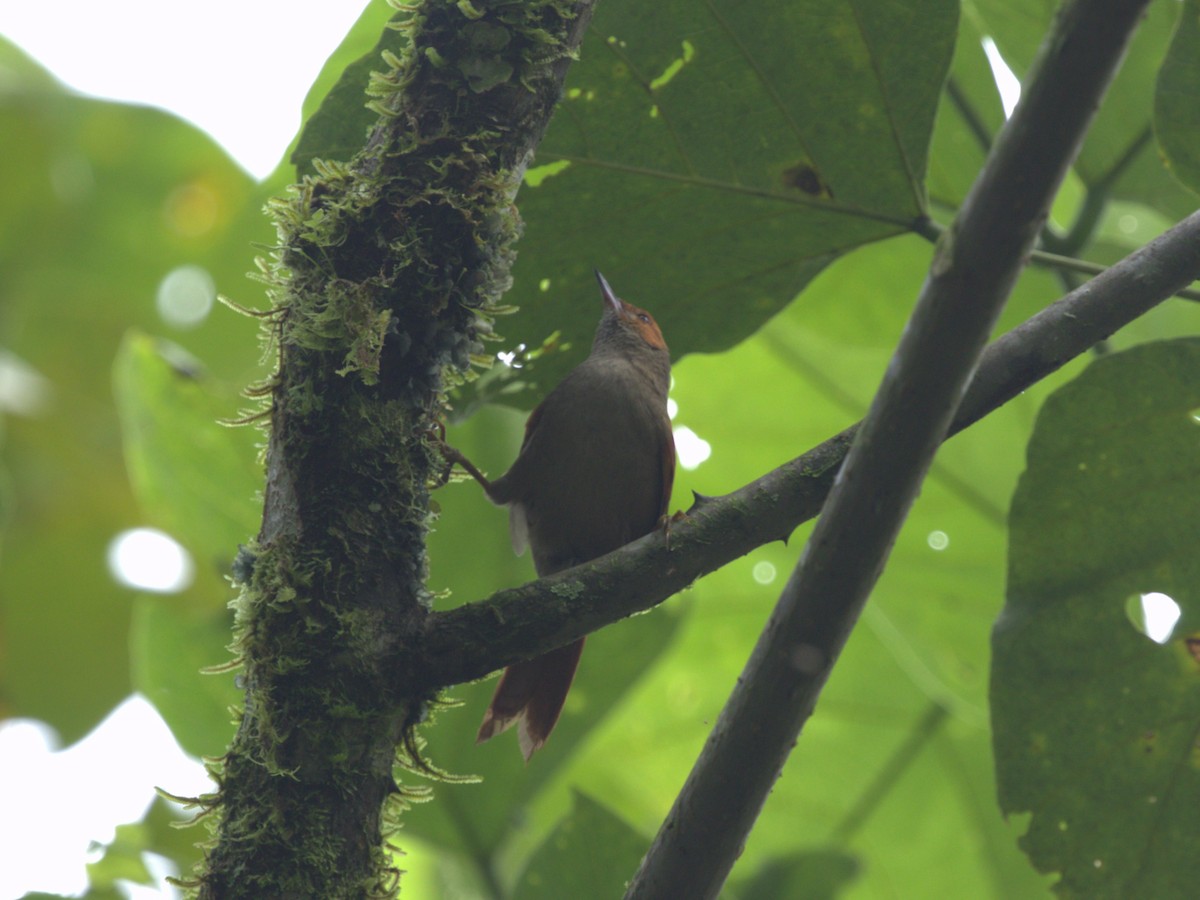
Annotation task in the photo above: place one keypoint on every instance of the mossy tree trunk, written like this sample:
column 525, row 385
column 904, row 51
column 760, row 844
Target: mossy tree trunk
column 383, row 280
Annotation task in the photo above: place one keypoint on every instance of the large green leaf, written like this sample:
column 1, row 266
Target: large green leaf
column 714, row 169
column 648, row 161
column 171, row 645
column 193, row 477
column 592, row 853
column 102, row 202
column 1095, row 723
column 336, row 118
column 1176, row 112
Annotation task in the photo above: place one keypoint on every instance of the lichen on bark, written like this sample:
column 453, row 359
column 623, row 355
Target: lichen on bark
column 383, row 282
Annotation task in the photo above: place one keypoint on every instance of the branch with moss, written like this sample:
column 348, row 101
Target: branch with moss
column 383, row 281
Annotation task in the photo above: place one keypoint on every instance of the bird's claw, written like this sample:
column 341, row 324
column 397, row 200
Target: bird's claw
column 436, row 435
column 452, row 456
column 666, row 520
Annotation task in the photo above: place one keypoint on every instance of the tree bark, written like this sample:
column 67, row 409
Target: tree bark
column 382, row 281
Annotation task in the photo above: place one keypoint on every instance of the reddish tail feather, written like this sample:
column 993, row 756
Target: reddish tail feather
column 531, row 694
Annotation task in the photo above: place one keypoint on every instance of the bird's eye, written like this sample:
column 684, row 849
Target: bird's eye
column 645, row 318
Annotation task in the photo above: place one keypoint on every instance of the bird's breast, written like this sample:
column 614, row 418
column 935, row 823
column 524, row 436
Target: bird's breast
column 592, row 472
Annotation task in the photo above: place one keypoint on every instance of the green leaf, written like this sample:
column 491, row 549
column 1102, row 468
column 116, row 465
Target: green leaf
column 170, row 644
column 958, row 150
column 336, row 129
column 193, row 477
column 1176, row 112
column 647, row 135
column 102, row 201
column 592, row 853
column 122, row 859
column 197, row 480
column 714, row 170
column 1094, row 722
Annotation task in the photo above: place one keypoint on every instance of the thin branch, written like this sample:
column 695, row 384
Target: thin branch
column 1095, row 202
column 1085, row 267
column 973, row 271
column 470, row 641
column 972, row 118
column 923, row 731
column 932, row 232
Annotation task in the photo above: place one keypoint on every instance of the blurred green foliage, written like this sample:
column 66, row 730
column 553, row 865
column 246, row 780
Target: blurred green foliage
column 722, row 157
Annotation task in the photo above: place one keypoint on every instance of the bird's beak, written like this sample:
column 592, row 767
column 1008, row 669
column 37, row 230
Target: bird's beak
column 609, row 297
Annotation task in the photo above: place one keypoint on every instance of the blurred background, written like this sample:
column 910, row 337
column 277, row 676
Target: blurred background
column 140, row 143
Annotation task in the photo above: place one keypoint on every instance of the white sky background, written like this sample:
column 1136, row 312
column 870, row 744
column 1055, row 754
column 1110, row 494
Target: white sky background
column 239, row 70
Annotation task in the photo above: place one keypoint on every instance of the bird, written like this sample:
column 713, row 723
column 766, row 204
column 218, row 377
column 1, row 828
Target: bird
column 594, row 472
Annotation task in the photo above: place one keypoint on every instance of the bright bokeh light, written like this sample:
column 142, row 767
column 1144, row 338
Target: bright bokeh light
column 690, row 447
column 764, row 572
column 23, row 390
column 149, row 560
column 238, row 70
column 57, row 803
column 186, row 296
column 1007, row 83
column 1161, row 613
column 938, row 540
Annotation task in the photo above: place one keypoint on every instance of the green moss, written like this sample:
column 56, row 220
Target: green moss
column 570, row 590
column 384, row 282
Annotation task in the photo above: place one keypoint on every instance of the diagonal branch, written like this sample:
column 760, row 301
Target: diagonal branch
column 973, row 271
column 469, row 642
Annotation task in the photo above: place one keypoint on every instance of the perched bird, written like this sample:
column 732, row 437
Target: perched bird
column 594, row 473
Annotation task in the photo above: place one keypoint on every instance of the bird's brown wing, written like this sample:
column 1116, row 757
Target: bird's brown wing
column 511, row 483
column 668, row 471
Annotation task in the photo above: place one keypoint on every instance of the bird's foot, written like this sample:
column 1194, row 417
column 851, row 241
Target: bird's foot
column 452, row 456
column 436, row 435
column 666, row 520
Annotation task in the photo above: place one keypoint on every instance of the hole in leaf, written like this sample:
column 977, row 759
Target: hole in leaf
column 1154, row 614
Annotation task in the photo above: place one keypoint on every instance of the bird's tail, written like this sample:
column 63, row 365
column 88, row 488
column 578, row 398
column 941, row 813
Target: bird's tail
column 531, row 694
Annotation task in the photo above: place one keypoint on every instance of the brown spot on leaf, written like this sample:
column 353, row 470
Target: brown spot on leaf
column 1193, row 646
column 803, row 177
